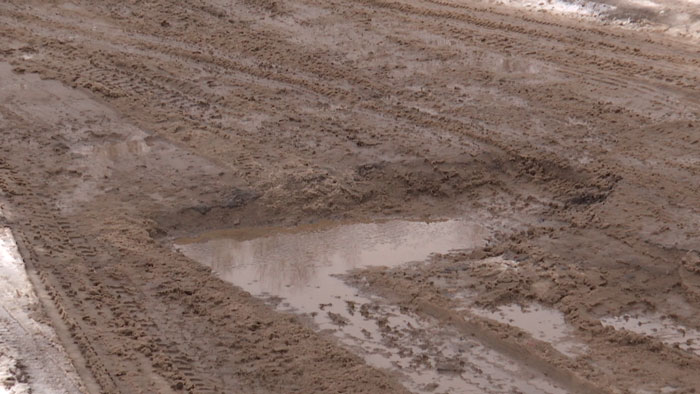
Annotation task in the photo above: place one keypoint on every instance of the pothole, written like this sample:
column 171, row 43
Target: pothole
column 289, row 261
column 298, row 270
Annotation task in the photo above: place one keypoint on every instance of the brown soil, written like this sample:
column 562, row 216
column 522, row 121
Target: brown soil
column 126, row 123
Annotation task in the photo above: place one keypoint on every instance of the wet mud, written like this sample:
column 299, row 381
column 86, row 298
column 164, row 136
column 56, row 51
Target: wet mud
column 541, row 323
column 300, row 270
column 657, row 326
column 32, row 360
column 283, row 145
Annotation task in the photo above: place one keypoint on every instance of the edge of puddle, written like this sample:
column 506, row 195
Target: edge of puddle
column 250, row 233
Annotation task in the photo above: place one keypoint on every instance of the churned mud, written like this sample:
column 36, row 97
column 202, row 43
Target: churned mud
column 541, row 323
column 376, row 196
column 658, row 326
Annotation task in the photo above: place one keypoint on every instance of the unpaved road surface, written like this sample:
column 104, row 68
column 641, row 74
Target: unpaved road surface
column 124, row 124
column 32, row 359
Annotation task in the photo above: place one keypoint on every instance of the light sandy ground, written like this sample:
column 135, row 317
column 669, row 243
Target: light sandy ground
column 125, row 125
column 679, row 18
column 31, row 359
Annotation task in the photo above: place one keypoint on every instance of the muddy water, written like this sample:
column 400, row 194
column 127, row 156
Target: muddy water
column 660, row 327
column 298, row 270
column 299, row 262
column 544, row 324
column 541, row 322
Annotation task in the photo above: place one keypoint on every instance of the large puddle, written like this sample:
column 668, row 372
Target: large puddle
column 298, row 270
column 299, row 263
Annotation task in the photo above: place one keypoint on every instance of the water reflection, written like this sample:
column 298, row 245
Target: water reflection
column 542, row 323
column 285, row 261
column 297, row 267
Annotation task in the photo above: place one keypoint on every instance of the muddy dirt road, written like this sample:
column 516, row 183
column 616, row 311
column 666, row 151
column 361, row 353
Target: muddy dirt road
column 574, row 145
